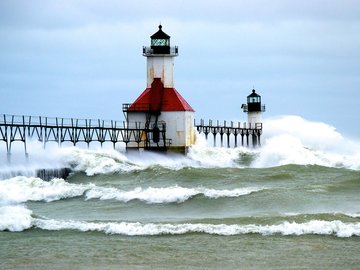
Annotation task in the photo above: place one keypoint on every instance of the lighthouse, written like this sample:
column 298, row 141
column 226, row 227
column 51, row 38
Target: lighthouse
column 254, row 109
column 163, row 114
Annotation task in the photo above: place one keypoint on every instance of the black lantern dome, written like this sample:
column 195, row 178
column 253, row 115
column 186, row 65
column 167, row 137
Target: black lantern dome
column 253, row 103
column 253, row 97
column 160, row 42
column 160, row 45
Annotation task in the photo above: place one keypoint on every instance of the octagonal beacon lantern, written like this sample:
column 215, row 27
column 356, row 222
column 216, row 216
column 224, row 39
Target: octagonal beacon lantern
column 254, row 110
column 160, row 117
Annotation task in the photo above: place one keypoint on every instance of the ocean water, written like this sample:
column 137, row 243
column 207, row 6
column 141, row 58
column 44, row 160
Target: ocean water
column 294, row 203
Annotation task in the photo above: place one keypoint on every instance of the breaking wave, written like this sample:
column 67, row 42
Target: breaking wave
column 164, row 195
column 22, row 189
column 18, row 218
column 15, row 218
column 294, row 140
column 286, row 140
column 318, row 227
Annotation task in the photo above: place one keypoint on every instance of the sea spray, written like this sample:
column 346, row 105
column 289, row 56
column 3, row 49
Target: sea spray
column 22, row 189
column 212, row 201
column 285, row 140
column 15, row 218
column 38, row 157
column 314, row 135
column 214, row 157
column 294, row 140
column 40, row 162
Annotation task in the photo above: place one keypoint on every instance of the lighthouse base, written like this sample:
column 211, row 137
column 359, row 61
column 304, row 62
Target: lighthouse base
column 172, row 149
column 179, row 149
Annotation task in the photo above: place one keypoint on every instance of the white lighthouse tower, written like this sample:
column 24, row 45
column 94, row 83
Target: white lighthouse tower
column 160, row 109
column 160, row 59
column 254, row 110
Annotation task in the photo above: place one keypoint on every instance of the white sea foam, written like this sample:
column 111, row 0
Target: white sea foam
column 294, row 140
column 107, row 161
column 318, row 227
column 353, row 215
column 214, row 157
column 173, row 194
column 15, row 218
column 21, row 189
column 285, row 140
column 99, row 161
column 38, row 158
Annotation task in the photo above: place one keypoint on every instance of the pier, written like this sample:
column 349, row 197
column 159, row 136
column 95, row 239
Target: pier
column 149, row 135
column 159, row 119
column 21, row 128
column 249, row 134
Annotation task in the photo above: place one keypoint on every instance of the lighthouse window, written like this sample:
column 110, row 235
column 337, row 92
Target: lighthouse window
column 160, row 42
column 254, row 99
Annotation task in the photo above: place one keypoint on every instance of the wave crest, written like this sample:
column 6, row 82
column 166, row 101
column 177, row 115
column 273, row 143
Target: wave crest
column 285, row 140
column 22, row 189
column 318, row 227
column 173, row 194
column 15, row 218
column 19, row 218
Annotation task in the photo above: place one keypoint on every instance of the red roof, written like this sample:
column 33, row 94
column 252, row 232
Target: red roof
column 158, row 98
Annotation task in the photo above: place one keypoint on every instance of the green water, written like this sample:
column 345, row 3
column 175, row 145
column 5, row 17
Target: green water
column 143, row 225
column 35, row 249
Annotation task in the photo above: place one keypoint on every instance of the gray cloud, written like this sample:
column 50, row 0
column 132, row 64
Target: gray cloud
column 301, row 52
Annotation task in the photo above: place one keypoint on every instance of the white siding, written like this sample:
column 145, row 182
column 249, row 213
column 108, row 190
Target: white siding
column 160, row 67
column 179, row 126
column 253, row 118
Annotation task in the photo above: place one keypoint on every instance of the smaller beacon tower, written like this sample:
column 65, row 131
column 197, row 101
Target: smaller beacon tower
column 160, row 111
column 254, row 110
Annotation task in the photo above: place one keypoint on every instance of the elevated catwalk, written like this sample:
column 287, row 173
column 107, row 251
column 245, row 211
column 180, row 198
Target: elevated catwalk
column 152, row 136
column 249, row 133
column 14, row 128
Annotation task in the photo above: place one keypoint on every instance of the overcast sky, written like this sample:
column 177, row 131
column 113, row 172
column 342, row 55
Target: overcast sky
column 83, row 58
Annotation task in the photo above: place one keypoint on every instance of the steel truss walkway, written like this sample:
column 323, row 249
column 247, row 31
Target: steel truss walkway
column 15, row 128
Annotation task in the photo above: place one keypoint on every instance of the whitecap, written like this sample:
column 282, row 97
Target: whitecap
column 15, row 218
column 317, row 227
column 174, row 194
column 21, row 189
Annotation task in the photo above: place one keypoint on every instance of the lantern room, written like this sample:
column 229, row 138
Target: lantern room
column 160, row 42
column 160, row 45
column 253, row 108
column 254, row 102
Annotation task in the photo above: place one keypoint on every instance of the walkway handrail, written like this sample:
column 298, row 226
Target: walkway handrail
column 244, row 130
column 32, row 121
column 21, row 128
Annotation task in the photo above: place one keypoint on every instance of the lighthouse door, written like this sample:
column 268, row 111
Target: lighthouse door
column 156, row 134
